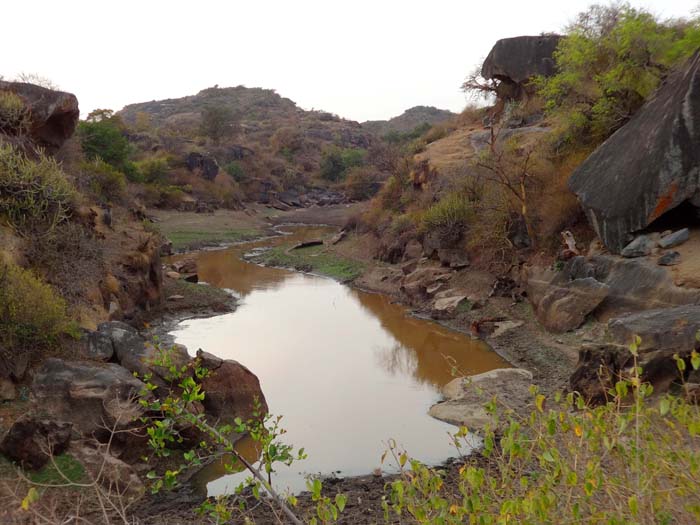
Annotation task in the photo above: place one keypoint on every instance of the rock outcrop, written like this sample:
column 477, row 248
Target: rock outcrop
column 204, row 165
column 31, row 440
column 52, row 114
column 514, row 61
column 649, row 166
column 88, row 394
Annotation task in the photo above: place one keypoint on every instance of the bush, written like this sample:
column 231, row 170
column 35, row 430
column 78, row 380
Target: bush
column 633, row 460
column 235, row 170
column 31, row 313
column 448, row 218
column 336, row 161
column 105, row 181
column 69, row 251
column 104, row 140
column 35, row 196
column 362, row 183
column 153, row 169
column 14, row 116
column 612, row 59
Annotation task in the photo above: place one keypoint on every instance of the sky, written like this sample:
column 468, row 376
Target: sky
column 362, row 60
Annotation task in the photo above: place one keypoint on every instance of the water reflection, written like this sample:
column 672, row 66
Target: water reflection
column 348, row 370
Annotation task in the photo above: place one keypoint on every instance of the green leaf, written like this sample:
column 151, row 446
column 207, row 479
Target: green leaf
column 340, row 500
column 664, row 406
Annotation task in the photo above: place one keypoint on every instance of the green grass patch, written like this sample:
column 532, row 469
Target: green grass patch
column 183, row 239
column 313, row 259
column 70, row 467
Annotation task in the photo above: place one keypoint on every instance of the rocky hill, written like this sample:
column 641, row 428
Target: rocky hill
column 409, row 120
column 267, row 145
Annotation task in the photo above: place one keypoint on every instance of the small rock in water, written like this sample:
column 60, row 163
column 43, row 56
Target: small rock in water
column 639, row 247
column 669, row 259
column 675, row 239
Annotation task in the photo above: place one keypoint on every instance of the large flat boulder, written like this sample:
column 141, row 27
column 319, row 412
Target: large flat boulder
column 649, row 166
column 53, row 114
column 466, row 397
column 671, row 329
column 520, row 58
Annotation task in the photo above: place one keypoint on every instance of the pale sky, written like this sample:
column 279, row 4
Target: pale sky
column 360, row 59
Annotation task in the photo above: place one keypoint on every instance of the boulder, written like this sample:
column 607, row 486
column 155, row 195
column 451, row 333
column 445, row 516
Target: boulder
column 113, row 474
column 31, row 441
column 413, row 250
column 639, row 247
column 100, row 346
column 204, row 165
column 674, row 239
column 669, row 259
column 454, row 258
column 416, row 283
column 672, row 329
column 635, row 284
column 514, row 61
column 87, row 394
column 625, row 185
column 562, row 305
column 231, row 391
column 466, row 397
column 446, row 307
column 8, row 391
column 53, row 114
column 599, row 367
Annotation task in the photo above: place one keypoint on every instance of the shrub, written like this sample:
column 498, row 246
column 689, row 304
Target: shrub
column 31, row 313
column 633, row 460
column 69, row 251
column 336, row 161
column 612, row 59
column 217, row 122
column 153, row 169
column 448, row 218
column 14, row 116
column 105, row 181
column 235, row 170
column 35, row 196
column 104, row 139
column 362, row 183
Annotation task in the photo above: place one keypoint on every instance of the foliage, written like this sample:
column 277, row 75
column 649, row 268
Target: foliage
column 179, row 410
column 105, row 181
column 101, row 137
column 236, row 171
column 14, row 116
column 403, row 137
column 69, row 250
column 362, row 182
column 449, row 217
column 153, row 169
column 60, row 468
column 633, row 460
column 336, row 161
column 217, row 122
column 612, row 59
column 312, row 259
column 31, row 313
column 35, row 195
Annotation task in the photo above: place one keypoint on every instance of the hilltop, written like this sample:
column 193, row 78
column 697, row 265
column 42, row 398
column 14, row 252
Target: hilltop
column 409, row 120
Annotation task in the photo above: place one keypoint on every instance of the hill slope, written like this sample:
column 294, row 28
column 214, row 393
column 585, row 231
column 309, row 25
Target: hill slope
column 408, row 120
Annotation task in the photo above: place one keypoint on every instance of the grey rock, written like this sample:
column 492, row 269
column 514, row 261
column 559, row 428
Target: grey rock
column 100, row 346
column 639, row 247
column 466, row 397
column 88, row 394
column 669, row 259
column 204, row 165
column 454, row 258
column 624, row 186
column 675, row 239
column 598, row 369
column 660, row 329
column 520, row 58
column 566, row 306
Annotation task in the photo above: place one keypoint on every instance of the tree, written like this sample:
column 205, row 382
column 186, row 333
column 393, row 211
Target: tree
column 101, row 137
column 218, row 122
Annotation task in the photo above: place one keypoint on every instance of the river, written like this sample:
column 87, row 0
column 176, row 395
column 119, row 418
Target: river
column 348, row 370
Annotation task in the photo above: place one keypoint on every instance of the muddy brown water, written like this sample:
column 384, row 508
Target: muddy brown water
column 347, row 370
